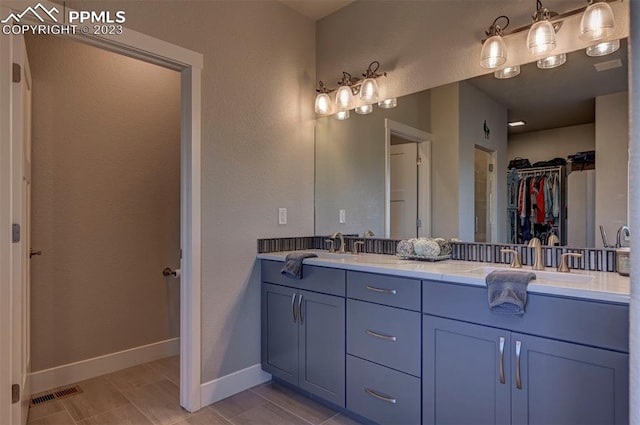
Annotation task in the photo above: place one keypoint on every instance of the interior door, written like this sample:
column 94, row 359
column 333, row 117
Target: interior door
column 404, row 191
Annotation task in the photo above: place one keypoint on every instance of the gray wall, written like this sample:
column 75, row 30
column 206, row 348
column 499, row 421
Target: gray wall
column 105, row 202
column 257, row 149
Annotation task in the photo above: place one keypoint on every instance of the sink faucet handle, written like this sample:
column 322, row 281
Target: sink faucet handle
column 355, row 247
column 330, row 242
column 515, row 262
column 564, row 261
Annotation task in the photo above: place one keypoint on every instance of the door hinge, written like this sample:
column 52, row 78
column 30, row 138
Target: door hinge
column 15, row 233
column 418, row 223
column 17, row 73
column 15, row 393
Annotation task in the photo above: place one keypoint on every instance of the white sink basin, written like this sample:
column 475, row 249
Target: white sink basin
column 540, row 274
column 327, row 254
column 379, row 259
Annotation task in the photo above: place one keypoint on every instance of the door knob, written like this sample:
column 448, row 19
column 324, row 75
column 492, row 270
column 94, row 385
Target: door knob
column 32, row 252
column 168, row 271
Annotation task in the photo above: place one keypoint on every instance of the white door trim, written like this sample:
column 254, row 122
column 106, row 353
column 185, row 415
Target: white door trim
column 415, row 135
column 189, row 63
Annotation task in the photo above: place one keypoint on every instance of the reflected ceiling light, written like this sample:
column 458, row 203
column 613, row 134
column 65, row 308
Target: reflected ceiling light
column 392, row 102
column 552, row 61
column 342, row 115
column 602, row 49
column 597, row 21
column 494, row 51
column 369, row 87
column 364, row 109
column 323, row 101
column 508, row 72
column 516, row 123
column 542, row 35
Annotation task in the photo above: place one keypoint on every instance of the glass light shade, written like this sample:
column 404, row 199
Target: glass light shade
column 364, row 109
column 323, row 104
column 508, row 72
column 344, row 98
column 541, row 38
column 342, row 115
column 392, row 102
column 552, row 61
column 494, row 52
column 597, row 22
column 602, row 49
column 369, row 91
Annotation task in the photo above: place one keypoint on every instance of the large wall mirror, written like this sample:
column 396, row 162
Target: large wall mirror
column 436, row 165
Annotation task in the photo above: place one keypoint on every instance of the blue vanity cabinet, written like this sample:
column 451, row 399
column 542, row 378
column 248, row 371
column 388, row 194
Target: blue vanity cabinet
column 564, row 362
column 303, row 331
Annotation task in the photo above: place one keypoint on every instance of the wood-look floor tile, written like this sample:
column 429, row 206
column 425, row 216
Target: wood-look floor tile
column 268, row 414
column 98, row 396
column 341, row 419
column 169, row 367
column 238, row 404
column 159, row 401
column 60, row 418
column 134, row 377
column 125, row 415
column 302, row 406
column 45, row 409
column 205, row 416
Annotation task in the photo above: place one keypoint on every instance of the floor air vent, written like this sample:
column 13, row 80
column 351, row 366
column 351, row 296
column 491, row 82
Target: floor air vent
column 48, row 396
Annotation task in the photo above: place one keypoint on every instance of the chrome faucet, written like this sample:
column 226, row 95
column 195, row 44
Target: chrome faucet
column 621, row 230
column 538, row 261
column 341, row 237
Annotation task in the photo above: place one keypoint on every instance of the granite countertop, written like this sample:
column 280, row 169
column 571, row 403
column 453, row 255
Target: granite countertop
column 598, row 286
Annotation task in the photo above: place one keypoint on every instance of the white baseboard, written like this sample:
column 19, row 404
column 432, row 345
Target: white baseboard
column 228, row 385
column 47, row 379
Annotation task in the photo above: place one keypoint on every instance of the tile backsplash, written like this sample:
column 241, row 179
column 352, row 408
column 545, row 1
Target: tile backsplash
column 592, row 259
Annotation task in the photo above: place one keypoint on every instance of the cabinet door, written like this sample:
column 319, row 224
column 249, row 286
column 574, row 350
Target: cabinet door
column 465, row 374
column 280, row 332
column 322, row 346
column 563, row 383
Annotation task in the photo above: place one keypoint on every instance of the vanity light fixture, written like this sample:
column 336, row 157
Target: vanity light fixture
column 552, row 61
column 353, row 93
column 508, row 72
column 494, row 51
column 542, row 35
column 516, row 123
column 597, row 21
column 602, row 49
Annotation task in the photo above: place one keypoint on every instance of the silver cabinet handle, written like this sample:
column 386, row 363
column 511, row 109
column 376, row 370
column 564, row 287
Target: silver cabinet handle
column 300, row 310
column 381, row 336
column 380, row 290
column 502, row 381
column 293, row 308
column 380, row 397
column 518, row 378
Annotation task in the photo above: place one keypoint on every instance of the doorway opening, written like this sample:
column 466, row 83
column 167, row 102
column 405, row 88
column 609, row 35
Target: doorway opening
column 484, row 209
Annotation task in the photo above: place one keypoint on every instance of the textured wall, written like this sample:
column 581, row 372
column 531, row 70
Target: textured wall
column 105, row 202
column 257, row 149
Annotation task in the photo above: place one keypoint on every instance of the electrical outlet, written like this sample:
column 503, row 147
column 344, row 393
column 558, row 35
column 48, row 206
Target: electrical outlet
column 343, row 216
column 282, row 216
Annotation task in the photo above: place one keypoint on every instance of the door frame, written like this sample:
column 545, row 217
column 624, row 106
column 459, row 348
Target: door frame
column 423, row 139
column 189, row 63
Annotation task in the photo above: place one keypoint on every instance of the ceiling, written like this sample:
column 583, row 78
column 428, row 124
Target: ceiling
column 558, row 97
column 316, row 9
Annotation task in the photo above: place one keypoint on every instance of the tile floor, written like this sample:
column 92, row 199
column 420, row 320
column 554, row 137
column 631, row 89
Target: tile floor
column 149, row 394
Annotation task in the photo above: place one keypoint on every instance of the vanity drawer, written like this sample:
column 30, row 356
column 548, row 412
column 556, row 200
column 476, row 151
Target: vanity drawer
column 595, row 323
column 389, row 290
column 314, row 278
column 381, row 394
column 385, row 335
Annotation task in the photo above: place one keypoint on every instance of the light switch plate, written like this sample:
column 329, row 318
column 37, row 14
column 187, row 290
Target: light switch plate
column 343, row 216
column 282, row 216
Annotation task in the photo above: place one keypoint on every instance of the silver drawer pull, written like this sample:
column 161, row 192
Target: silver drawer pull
column 381, row 336
column 380, row 397
column 502, row 380
column 381, row 290
column 518, row 377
